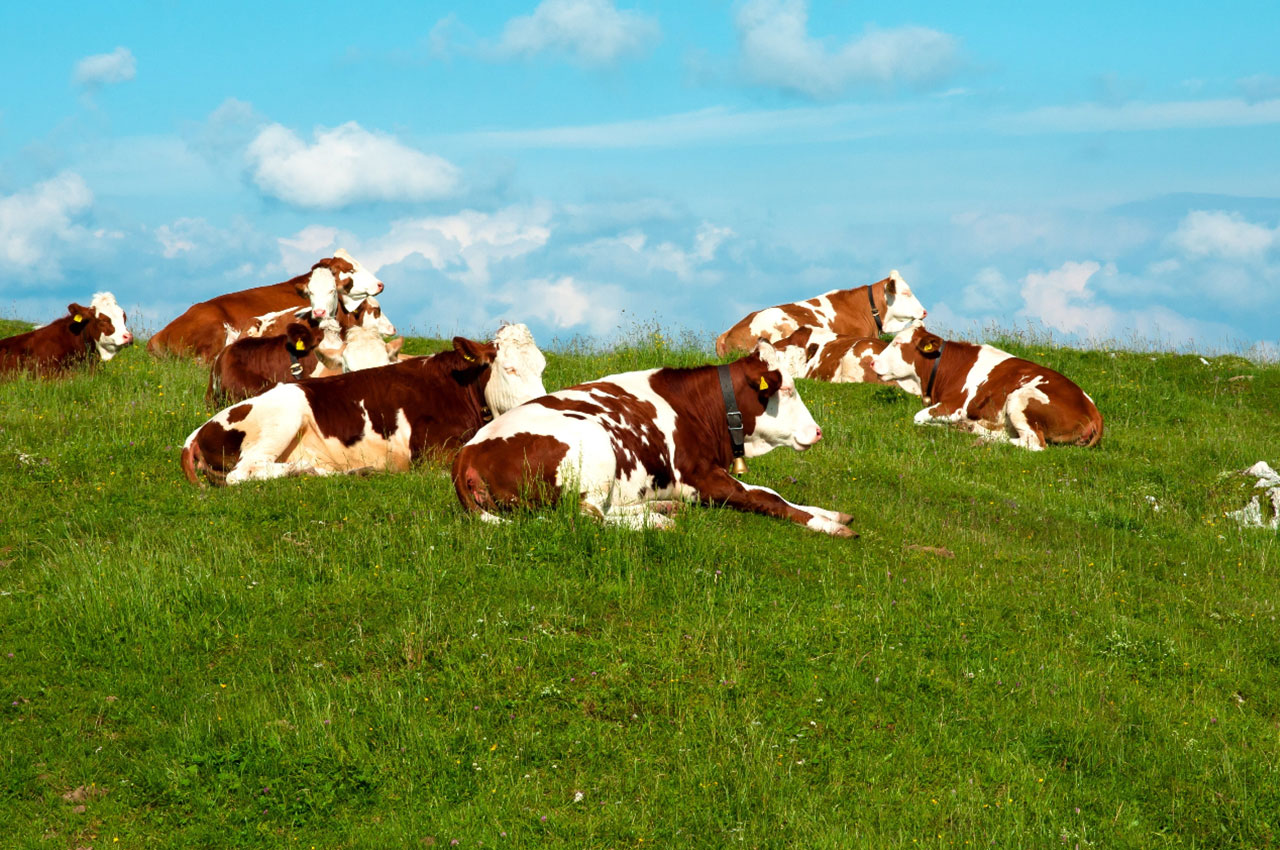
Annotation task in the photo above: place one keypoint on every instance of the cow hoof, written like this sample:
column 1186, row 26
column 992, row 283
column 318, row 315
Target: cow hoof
column 666, row 508
column 362, row 471
column 844, row 531
column 843, row 518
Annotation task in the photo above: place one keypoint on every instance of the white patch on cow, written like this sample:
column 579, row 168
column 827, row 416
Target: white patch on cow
column 258, row 325
column 772, row 324
column 364, row 283
column 988, row 357
column 903, row 309
column 375, row 318
column 104, row 304
column 890, row 365
column 281, row 439
column 230, row 334
column 1014, row 414
column 785, row 421
column 516, row 374
column 365, row 349
column 322, row 292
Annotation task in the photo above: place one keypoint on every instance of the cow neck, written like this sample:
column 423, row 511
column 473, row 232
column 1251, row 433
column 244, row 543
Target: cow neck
column 733, row 417
column 875, row 314
column 933, row 373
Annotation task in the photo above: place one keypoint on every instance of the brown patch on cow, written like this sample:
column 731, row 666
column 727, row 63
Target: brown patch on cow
column 940, row 551
column 507, row 471
column 441, row 396
column 253, row 365
column 238, row 413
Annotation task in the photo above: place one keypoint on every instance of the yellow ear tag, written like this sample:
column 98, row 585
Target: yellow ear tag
column 764, row 385
column 468, row 358
column 299, row 345
column 77, row 318
column 927, row 347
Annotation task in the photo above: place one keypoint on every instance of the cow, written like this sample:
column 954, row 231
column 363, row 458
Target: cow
column 624, row 446
column 825, row 356
column 249, row 366
column 886, row 306
column 382, row 418
column 990, row 392
column 85, row 333
column 333, row 285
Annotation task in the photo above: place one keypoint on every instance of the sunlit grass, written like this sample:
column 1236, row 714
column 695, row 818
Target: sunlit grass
column 1020, row 651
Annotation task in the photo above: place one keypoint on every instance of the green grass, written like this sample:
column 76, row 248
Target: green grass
column 355, row 663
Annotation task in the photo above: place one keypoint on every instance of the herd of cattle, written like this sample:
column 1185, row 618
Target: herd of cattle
column 314, row 389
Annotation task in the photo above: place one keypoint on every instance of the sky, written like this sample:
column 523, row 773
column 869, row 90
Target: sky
column 593, row 167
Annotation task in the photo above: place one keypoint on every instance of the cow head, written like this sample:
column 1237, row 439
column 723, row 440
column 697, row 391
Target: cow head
column 369, row 314
column 361, row 348
column 516, row 366
column 785, row 421
column 907, row 359
column 903, row 309
column 334, row 278
column 103, row 323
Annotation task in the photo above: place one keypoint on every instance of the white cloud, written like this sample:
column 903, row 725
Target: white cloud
column 37, row 223
column 565, row 302
column 777, row 51
column 990, row 293
column 1259, row 87
column 118, row 66
column 1061, row 300
column 1138, row 116
column 463, row 245
column 346, row 165
column 633, row 254
column 1227, row 235
column 591, row 32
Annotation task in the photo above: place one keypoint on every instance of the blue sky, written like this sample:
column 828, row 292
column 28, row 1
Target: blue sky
column 585, row 165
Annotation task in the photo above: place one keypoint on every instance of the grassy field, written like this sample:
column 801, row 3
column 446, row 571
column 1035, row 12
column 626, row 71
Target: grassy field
column 1070, row 648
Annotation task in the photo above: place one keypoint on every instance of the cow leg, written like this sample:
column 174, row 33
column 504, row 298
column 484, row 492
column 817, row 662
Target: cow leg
column 936, row 415
column 1020, row 429
column 639, row 520
column 834, row 516
column 718, row 487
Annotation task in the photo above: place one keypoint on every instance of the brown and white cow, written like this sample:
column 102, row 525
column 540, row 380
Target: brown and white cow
column 886, row 306
column 821, row 355
column 990, row 392
column 333, row 285
column 381, row 418
column 252, row 365
column 623, row 446
column 85, row 333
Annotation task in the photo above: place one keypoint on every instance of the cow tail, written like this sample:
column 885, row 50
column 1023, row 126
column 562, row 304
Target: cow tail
column 472, row 491
column 1093, row 431
column 193, row 460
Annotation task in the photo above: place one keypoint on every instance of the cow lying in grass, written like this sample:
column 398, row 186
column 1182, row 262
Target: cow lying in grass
column 886, row 306
column 821, row 355
column 333, row 287
column 623, row 446
column 253, row 365
column 375, row 419
column 96, row 332
column 990, row 392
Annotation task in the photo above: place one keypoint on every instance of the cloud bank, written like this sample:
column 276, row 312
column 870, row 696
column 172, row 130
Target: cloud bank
column 118, row 66
column 345, row 165
column 590, row 32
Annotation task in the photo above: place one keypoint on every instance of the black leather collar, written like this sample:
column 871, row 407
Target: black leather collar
column 875, row 314
column 732, row 414
column 933, row 373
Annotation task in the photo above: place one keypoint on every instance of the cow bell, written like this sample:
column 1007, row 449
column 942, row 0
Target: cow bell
column 739, row 467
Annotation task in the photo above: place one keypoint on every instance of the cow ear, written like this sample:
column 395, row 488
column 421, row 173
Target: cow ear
column 929, row 344
column 768, row 384
column 479, row 353
column 394, row 346
column 299, row 338
column 80, row 316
